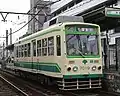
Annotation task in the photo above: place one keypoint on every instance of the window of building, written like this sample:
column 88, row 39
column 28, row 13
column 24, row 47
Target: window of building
column 51, row 46
column 44, row 47
column 71, row 4
column 78, row 1
column 58, row 12
column 28, row 49
column 54, row 14
column 34, row 47
column 39, row 48
column 64, row 8
column 58, row 45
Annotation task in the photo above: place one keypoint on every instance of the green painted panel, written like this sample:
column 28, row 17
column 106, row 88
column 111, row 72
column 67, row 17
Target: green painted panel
column 23, row 64
column 113, row 15
column 50, row 64
column 35, row 65
column 17, row 64
column 48, row 68
column 83, row 76
column 26, row 65
column 51, row 67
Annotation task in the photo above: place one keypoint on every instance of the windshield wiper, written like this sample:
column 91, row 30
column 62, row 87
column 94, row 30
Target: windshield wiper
column 70, row 38
column 81, row 53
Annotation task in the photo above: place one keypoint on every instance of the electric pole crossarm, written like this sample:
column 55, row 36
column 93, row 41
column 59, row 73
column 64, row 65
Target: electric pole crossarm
column 4, row 17
column 2, row 37
column 21, row 13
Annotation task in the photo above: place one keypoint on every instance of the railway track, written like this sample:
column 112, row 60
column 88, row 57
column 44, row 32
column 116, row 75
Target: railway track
column 15, row 90
column 28, row 86
column 33, row 88
column 94, row 92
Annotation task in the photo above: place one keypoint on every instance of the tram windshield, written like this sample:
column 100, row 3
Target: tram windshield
column 82, row 45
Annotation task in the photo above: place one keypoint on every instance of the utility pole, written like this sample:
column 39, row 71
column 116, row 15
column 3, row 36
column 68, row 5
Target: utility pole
column 3, row 57
column 10, row 36
column 108, row 50
column 3, row 51
column 6, row 42
column 10, row 40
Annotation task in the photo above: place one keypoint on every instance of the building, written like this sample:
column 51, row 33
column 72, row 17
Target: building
column 38, row 7
column 79, row 7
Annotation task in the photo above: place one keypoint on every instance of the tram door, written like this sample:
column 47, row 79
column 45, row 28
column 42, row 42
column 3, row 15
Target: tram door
column 118, row 54
column 33, row 52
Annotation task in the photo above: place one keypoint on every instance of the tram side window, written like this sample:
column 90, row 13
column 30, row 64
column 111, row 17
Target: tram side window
column 44, row 47
column 34, row 48
column 22, row 51
column 51, row 46
column 58, row 45
column 25, row 50
column 28, row 49
column 39, row 48
column 17, row 51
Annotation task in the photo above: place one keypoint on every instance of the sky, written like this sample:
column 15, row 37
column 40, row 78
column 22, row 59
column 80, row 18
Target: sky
column 20, row 6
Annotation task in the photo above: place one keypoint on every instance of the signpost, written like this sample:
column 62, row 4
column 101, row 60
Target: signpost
column 112, row 12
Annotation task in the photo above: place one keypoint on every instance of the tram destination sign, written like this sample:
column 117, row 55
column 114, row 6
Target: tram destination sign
column 112, row 12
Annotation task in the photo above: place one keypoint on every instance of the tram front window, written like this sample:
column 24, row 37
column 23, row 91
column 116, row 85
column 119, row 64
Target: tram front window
column 82, row 45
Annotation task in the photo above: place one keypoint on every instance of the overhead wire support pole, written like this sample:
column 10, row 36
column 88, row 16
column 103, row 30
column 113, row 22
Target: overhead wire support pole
column 3, row 50
column 6, row 42
column 107, row 51
column 10, row 35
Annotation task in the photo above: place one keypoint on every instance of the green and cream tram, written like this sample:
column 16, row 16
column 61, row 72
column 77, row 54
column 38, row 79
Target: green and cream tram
column 69, row 52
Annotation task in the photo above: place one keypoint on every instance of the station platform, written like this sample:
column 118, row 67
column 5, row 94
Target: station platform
column 111, row 81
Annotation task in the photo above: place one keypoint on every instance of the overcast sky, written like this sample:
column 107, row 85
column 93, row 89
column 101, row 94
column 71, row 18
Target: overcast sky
column 12, row 20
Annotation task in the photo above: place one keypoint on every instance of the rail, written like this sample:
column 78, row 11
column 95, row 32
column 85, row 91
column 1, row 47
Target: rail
column 25, row 94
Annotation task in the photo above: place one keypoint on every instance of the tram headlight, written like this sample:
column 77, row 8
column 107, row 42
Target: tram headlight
column 69, row 68
column 75, row 68
column 93, row 68
column 99, row 68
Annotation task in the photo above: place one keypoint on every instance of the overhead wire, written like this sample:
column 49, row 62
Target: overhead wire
column 28, row 21
column 34, row 16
